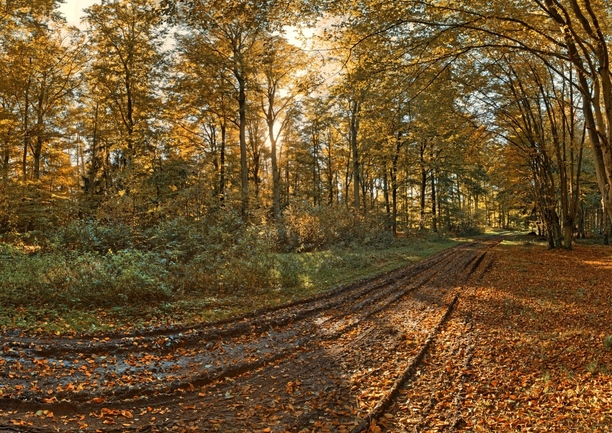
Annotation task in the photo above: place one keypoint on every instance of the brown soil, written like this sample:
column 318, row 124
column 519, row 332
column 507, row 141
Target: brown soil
column 394, row 353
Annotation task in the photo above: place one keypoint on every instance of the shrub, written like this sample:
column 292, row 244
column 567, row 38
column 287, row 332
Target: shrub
column 134, row 276
column 224, row 261
column 306, row 228
column 177, row 239
column 468, row 228
column 83, row 279
column 8, row 252
column 93, row 236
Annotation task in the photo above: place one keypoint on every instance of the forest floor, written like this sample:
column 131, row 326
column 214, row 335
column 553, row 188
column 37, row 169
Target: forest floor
column 487, row 336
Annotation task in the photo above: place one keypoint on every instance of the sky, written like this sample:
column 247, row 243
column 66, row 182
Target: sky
column 73, row 10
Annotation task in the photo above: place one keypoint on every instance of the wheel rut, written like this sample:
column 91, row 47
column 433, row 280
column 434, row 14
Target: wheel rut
column 338, row 362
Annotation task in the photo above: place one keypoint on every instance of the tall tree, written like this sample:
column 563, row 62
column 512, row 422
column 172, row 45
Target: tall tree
column 280, row 88
column 233, row 33
column 126, row 40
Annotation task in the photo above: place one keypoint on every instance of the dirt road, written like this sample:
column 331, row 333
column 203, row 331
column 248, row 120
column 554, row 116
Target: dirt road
column 338, row 363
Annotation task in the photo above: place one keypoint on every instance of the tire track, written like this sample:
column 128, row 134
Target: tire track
column 328, row 350
column 363, row 300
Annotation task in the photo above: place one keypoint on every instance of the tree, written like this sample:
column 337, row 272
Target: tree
column 280, row 87
column 126, row 37
column 204, row 103
column 568, row 30
column 42, row 61
column 232, row 33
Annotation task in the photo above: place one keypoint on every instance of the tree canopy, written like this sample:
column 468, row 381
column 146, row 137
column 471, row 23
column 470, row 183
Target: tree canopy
column 425, row 115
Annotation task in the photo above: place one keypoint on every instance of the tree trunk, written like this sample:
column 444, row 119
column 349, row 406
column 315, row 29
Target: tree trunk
column 26, row 130
column 330, row 172
column 244, row 169
column 129, row 121
column 316, row 196
column 423, row 186
column 364, row 191
column 275, row 173
column 354, row 129
column 387, row 199
column 434, row 200
column 434, row 210
column 40, row 129
column 222, row 162
column 394, row 186
column 581, row 222
column 606, row 225
column 95, row 163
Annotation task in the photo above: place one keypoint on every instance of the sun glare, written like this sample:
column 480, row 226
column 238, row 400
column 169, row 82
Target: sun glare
column 73, row 10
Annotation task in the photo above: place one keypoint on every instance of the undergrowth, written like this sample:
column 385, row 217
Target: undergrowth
column 87, row 276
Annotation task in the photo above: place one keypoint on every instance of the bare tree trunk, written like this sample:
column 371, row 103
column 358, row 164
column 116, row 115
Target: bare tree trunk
column 387, row 200
column 606, row 225
column 244, row 169
column 434, row 200
column 354, row 129
column 274, row 160
column 222, row 162
column 330, row 171
column 316, row 190
column 434, row 210
column 40, row 129
column 26, row 130
column 423, row 185
column 394, row 186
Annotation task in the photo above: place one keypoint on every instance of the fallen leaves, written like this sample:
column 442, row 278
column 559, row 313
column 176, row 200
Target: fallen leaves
column 534, row 358
column 539, row 359
column 107, row 412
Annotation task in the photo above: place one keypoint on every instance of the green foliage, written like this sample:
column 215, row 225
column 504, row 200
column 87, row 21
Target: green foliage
column 81, row 280
column 93, row 236
column 183, row 239
column 468, row 228
column 240, row 262
column 85, row 287
column 608, row 342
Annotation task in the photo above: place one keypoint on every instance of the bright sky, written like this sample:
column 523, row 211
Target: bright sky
column 73, row 10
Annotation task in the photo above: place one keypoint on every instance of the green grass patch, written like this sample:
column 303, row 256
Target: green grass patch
column 62, row 292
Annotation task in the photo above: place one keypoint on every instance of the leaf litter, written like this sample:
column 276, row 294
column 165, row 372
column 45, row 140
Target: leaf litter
column 523, row 349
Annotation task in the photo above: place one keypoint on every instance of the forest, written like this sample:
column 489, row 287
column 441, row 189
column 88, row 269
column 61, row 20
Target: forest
column 301, row 216
column 162, row 147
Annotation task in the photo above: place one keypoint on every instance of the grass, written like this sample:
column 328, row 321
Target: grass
column 55, row 293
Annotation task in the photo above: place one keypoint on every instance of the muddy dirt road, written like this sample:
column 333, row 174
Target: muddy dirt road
column 337, row 363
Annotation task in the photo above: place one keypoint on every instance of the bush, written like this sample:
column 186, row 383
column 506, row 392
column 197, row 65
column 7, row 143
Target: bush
column 306, row 228
column 178, row 240
column 91, row 264
column 134, row 276
column 218, row 260
column 8, row 252
column 288, row 270
column 468, row 228
column 93, row 236
column 83, row 279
